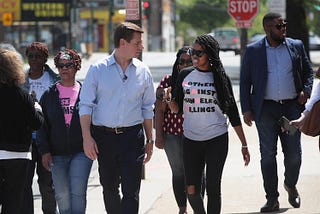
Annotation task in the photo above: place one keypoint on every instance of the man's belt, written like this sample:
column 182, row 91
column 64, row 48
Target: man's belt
column 117, row 130
column 282, row 101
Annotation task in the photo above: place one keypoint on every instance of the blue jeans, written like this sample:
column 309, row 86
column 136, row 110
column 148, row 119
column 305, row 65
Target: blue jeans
column 174, row 150
column 70, row 175
column 269, row 130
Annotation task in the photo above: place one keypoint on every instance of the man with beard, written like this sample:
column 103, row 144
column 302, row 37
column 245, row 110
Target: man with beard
column 276, row 80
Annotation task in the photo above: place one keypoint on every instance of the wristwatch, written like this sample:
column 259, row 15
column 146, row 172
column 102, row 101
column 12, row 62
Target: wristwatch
column 150, row 141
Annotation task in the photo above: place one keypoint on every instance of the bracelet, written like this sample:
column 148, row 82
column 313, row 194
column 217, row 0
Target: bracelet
column 244, row 147
column 150, row 141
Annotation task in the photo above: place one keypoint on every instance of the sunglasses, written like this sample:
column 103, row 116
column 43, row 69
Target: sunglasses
column 67, row 65
column 280, row 26
column 185, row 62
column 198, row 53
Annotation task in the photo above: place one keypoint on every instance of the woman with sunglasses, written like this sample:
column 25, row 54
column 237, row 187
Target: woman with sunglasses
column 169, row 130
column 60, row 139
column 204, row 94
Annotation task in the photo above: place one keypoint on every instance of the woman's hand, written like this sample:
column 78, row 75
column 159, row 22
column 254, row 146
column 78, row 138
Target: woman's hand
column 300, row 121
column 47, row 161
column 167, row 95
column 248, row 118
column 159, row 142
column 245, row 155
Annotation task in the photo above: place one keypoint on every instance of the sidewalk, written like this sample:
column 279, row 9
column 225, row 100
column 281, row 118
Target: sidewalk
column 242, row 190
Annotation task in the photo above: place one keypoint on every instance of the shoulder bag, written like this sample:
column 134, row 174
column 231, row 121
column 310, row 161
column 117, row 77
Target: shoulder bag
column 311, row 125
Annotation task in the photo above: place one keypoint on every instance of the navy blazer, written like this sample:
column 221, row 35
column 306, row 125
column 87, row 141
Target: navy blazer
column 254, row 74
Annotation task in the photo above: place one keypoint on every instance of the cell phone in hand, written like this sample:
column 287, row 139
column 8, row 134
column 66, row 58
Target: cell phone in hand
column 285, row 123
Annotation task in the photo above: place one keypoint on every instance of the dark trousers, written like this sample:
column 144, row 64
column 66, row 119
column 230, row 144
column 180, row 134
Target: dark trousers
column 269, row 131
column 13, row 174
column 211, row 154
column 120, row 161
column 45, row 185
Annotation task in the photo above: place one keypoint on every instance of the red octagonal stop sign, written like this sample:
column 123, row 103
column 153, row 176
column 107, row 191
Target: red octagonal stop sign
column 243, row 10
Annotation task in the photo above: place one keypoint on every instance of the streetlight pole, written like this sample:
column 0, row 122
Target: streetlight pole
column 110, row 25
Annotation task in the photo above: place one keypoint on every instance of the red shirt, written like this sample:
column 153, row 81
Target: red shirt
column 172, row 122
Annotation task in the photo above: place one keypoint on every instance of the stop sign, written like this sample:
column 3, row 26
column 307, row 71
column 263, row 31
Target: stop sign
column 243, row 10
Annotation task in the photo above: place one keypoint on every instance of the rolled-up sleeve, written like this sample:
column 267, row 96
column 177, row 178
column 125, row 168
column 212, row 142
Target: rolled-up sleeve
column 88, row 93
column 148, row 98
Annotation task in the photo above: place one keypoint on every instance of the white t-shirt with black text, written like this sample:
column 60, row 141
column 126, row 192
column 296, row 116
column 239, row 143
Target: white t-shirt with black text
column 203, row 118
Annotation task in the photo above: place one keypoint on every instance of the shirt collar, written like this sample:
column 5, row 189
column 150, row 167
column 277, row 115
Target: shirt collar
column 268, row 45
column 112, row 60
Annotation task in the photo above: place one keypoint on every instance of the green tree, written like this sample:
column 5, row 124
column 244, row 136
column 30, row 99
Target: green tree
column 201, row 16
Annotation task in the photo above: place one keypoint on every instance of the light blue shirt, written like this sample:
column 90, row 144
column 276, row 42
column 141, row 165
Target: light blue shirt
column 114, row 100
column 280, row 82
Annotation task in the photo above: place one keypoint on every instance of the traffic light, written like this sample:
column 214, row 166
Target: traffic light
column 146, row 9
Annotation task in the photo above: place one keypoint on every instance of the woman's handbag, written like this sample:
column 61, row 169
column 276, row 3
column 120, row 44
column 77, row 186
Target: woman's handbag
column 311, row 125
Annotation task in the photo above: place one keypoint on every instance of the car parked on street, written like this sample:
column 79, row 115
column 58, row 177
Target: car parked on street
column 228, row 39
column 314, row 42
column 256, row 37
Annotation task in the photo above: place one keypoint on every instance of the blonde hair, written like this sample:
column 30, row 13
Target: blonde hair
column 11, row 68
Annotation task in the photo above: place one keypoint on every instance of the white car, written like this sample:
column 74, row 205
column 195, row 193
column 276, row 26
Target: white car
column 314, row 42
column 228, row 39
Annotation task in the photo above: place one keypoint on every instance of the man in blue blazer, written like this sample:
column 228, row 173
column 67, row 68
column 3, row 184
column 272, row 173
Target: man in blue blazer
column 276, row 80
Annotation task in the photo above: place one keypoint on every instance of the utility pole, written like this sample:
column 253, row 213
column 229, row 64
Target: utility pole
column 133, row 14
column 110, row 26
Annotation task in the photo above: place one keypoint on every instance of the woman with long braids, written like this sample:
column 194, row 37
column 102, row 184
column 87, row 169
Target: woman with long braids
column 204, row 94
column 169, row 131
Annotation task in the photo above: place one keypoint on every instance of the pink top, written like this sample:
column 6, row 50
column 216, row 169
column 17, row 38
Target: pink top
column 68, row 97
column 172, row 122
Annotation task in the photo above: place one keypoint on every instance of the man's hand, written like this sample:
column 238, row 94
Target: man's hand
column 302, row 98
column 248, row 118
column 90, row 148
column 47, row 161
column 149, row 151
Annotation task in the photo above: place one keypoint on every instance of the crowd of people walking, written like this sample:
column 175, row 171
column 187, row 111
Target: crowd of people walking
column 113, row 114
